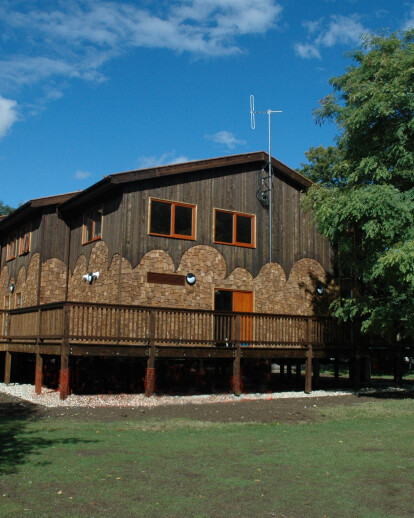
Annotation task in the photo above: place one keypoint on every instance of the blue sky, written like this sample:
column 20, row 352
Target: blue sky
column 89, row 88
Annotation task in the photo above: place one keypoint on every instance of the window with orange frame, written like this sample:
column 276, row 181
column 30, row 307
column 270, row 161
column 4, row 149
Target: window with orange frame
column 234, row 228
column 172, row 219
column 11, row 249
column 25, row 241
column 92, row 226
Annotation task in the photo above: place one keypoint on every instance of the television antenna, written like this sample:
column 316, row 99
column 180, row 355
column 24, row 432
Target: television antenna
column 265, row 187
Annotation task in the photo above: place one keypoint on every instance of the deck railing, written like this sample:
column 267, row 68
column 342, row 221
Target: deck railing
column 108, row 324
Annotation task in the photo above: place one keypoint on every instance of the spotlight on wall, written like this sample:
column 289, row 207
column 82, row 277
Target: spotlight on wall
column 191, row 279
column 12, row 288
column 90, row 277
column 320, row 288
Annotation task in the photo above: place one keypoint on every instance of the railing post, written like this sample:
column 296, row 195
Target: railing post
column 236, row 380
column 150, row 372
column 64, row 355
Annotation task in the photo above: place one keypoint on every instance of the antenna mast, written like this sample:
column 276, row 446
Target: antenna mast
column 266, row 181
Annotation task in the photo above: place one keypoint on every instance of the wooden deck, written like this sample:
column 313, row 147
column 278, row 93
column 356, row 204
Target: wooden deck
column 69, row 329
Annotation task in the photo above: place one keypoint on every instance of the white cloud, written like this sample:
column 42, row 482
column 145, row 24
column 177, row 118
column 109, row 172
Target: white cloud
column 74, row 39
column 307, row 50
column 225, row 138
column 8, row 114
column 82, row 175
column 170, row 158
column 409, row 24
column 339, row 30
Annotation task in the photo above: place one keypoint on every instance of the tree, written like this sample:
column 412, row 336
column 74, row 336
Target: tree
column 363, row 197
column 5, row 209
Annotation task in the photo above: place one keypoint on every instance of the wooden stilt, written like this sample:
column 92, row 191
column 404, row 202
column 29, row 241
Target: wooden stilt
column 150, row 373
column 64, row 374
column 289, row 370
column 39, row 374
column 7, row 368
column 236, row 378
column 236, row 374
column 282, row 371
column 308, row 371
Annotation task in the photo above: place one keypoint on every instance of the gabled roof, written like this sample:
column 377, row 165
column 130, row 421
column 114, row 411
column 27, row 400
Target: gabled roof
column 28, row 209
column 260, row 158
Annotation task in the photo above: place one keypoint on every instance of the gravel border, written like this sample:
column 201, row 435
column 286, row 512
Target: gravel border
column 51, row 399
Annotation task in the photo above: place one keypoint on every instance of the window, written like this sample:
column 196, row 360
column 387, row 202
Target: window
column 18, row 303
column 11, row 249
column 7, row 302
column 24, row 240
column 92, row 226
column 234, row 228
column 172, row 219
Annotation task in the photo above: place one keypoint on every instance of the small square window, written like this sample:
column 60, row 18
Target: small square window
column 234, row 228
column 172, row 219
column 92, row 226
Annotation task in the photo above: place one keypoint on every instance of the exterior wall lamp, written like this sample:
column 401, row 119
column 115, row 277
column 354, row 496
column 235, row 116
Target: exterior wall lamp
column 191, row 279
column 12, row 288
column 320, row 288
column 90, row 277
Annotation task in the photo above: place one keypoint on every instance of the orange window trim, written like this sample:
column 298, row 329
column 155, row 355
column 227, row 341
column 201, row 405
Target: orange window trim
column 235, row 214
column 25, row 249
column 96, row 238
column 11, row 250
column 174, row 204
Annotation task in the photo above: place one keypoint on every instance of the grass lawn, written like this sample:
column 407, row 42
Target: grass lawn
column 354, row 461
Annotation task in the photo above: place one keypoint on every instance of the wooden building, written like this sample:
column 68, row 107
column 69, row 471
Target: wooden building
column 169, row 262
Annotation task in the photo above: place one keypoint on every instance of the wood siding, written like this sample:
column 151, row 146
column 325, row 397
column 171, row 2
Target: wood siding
column 125, row 223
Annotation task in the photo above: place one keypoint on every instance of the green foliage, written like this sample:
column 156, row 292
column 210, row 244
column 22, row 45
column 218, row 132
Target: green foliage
column 363, row 198
column 5, row 209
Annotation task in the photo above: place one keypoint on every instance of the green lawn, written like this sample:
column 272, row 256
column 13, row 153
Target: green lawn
column 355, row 461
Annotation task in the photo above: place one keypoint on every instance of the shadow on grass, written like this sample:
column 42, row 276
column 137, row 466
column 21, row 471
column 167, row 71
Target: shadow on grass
column 398, row 395
column 17, row 442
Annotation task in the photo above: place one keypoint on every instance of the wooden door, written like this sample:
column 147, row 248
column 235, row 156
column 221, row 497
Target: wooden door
column 243, row 303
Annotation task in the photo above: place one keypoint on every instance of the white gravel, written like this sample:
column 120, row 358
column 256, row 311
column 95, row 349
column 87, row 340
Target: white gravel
column 50, row 398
